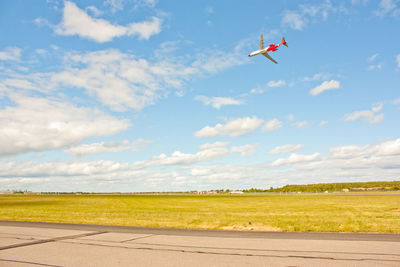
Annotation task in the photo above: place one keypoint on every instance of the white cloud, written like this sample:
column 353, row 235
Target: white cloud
column 10, row 53
column 77, row 22
column 296, row 158
column 146, row 3
column 217, row 144
column 276, row 83
column 257, row 90
column 106, row 147
column 327, row 85
column 145, row 29
column 398, row 60
column 19, row 83
column 370, row 116
column 396, row 101
column 234, row 127
column 244, row 150
column 270, row 84
column 343, row 164
column 209, row 10
column 218, row 102
column 387, row 148
column 94, row 10
column 317, row 77
column 41, row 51
column 31, row 169
column 365, row 162
column 298, row 20
column 377, row 107
column 272, row 125
column 373, row 57
column 290, row 117
column 294, row 20
column 323, row 123
column 300, row 124
column 207, row 152
column 38, row 124
column 213, row 61
column 115, row 4
column 40, row 22
column 350, row 151
column 139, row 82
column 356, row 2
column 179, row 158
column 285, row 149
column 322, row 10
column 208, row 61
column 375, row 67
column 388, row 7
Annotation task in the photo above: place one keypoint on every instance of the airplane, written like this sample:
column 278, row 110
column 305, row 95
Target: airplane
column 264, row 51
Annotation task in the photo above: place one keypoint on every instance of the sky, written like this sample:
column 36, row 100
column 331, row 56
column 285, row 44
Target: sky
column 151, row 95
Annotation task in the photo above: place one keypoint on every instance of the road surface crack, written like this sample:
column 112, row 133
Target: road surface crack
column 41, row 241
column 29, row 262
column 136, row 238
column 237, row 254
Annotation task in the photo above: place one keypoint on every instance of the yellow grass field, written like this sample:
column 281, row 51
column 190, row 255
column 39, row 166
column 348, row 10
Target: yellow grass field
column 313, row 213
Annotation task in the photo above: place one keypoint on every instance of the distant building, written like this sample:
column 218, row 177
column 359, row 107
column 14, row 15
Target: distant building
column 6, row 192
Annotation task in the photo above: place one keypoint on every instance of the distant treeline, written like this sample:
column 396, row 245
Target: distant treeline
column 332, row 187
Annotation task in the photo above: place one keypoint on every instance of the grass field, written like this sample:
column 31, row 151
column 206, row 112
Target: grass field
column 266, row 213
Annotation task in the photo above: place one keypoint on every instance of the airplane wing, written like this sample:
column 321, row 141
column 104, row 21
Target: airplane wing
column 270, row 58
column 261, row 42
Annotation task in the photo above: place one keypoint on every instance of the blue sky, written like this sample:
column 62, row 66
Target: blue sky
column 147, row 95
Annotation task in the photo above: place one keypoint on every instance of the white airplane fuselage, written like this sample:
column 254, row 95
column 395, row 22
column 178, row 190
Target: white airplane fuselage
column 271, row 47
column 255, row 53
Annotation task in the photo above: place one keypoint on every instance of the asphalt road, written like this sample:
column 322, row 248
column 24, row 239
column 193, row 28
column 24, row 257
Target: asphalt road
column 49, row 244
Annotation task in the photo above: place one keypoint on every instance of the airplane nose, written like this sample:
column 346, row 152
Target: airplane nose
column 249, row 55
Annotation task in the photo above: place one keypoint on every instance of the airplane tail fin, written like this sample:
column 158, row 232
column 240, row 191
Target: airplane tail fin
column 284, row 42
